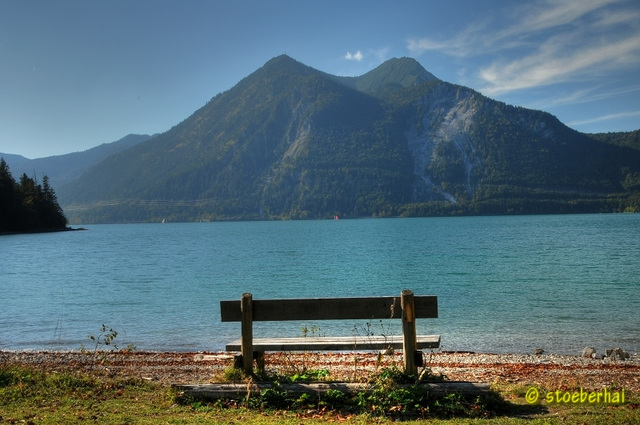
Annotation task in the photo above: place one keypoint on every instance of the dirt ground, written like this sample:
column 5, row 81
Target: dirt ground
column 193, row 368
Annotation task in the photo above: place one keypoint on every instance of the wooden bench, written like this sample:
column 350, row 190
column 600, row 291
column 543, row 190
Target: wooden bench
column 407, row 307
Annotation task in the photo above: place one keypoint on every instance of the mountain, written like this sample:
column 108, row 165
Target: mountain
column 289, row 141
column 62, row 169
column 392, row 74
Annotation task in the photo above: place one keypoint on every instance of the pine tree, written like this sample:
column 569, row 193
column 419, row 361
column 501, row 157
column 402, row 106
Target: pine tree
column 9, row 200
column 51, row 214
column 28, row 206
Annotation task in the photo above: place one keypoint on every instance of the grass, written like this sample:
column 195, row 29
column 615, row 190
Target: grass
column 32, row 396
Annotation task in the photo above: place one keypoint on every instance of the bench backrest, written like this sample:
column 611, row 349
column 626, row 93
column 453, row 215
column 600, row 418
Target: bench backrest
column 426, row 306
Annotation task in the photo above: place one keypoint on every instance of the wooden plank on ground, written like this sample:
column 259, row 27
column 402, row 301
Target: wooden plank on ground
column 233, row 391
column 349, row 343
column 426, row 306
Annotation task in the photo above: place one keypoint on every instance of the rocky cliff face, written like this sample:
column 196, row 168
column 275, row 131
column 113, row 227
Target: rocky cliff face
column 441, row 134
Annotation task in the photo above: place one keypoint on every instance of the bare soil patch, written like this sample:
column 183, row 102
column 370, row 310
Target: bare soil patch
column 203, row 367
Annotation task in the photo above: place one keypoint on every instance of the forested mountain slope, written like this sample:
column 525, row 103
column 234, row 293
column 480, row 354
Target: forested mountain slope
column 289, row 141
column 63, row 169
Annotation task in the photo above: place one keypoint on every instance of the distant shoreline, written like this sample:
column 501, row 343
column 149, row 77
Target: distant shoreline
column 28, row 232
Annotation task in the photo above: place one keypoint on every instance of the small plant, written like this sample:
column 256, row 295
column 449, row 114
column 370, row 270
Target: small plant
column 130, row 348
column 305, row 399
column 310, row 376
column 233, row 374
column 310, row 331
column 272, row 398
column 105, row 338
column 301, row 368
column 389, row 376
column 296, row 377
column 334, row 399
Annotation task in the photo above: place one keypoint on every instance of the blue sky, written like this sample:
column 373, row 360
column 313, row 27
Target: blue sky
column 75, row 74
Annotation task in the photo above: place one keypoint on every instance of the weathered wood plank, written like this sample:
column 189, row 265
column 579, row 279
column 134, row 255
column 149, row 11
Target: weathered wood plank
column 349, row 343
column 233, row 391
column 246, row 346
column 426, row 306
column 409, row 346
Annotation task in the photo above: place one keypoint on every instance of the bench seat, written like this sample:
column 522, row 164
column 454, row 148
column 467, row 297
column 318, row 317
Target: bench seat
column 407, row 307
column 350, row 343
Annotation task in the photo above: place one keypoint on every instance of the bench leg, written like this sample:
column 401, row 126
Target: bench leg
column 237, row 361
column 246, row 307
column 259, row 357
column 408, row 332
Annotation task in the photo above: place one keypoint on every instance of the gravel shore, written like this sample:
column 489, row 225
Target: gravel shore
column 169, row 368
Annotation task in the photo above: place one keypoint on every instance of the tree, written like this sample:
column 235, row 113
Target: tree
column 27, row 206
column 51, row 214
column 9, row 199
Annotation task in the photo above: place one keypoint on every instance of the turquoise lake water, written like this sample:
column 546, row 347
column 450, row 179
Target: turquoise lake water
column 504, row 284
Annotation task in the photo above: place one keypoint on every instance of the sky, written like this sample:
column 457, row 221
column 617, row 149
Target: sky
column 75, row 73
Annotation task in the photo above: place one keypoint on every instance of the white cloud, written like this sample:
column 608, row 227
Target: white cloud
column 547, row 42
column 465, row 43
column 381, row 54
column 357, row 56
column 606, row 118
column 591, row 93
column 420, row 45
column 556, row 62
column 552, row 14
column 527, row 20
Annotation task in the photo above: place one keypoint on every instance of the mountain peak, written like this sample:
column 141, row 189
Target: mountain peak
column 407, row 66
column 398, row 72
column 284, row 62
column 281, row 59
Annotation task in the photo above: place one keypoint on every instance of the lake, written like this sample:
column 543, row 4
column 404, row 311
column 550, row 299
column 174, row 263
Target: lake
column 504, row 284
